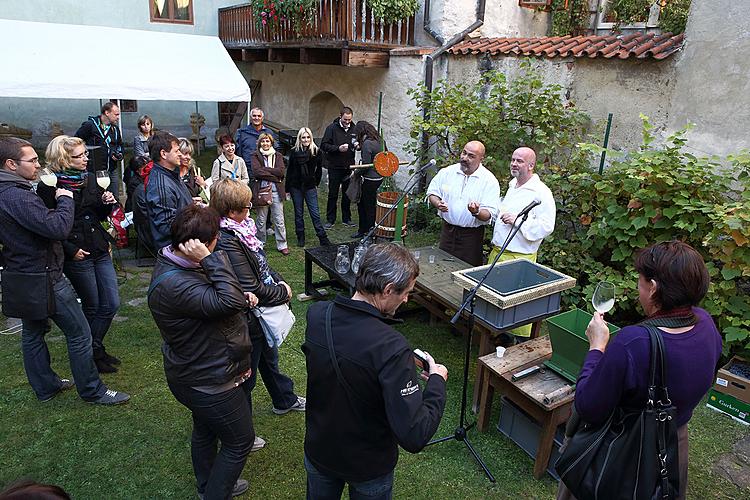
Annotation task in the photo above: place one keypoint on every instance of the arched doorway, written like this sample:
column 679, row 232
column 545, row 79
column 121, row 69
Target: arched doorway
column 323, row 108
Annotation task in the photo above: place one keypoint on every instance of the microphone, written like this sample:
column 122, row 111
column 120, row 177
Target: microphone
column 528, row 208
column 429, row 164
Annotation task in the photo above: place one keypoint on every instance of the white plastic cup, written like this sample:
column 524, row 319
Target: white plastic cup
column 500, row 350
column 432, row 259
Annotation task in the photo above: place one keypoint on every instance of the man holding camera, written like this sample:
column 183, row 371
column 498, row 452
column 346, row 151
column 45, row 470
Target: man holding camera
column 364, row 398
column 339, row 143
column 102, row 133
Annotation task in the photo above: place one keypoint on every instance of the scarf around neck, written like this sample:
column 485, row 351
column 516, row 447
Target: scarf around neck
column 269, row 152
column 245, row 231
column 71, row 179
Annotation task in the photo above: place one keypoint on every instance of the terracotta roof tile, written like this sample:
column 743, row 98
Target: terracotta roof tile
column 636, row 45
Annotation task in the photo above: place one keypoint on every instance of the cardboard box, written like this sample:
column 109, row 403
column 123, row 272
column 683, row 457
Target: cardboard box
column 729, row 405
column 732, row 384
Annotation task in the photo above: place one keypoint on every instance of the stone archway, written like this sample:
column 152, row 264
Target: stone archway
column 323, row 108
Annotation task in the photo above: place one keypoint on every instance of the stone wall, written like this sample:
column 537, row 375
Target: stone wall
column 288, row 90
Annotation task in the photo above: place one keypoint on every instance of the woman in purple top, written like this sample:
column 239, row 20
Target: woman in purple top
column 672, row 280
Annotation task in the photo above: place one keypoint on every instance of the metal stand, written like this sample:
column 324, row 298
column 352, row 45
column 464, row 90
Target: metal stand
column 460, row 434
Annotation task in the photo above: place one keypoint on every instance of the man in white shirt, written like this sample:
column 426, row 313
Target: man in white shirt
column 524, row 188
column 466, row 196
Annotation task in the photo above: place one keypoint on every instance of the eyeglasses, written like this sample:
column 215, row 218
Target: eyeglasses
column 249, row 205
column 33, row 160
column 77, row 157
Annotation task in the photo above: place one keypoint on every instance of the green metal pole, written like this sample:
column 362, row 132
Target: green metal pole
column 399, row 222
column 606, row 143
column 380, row 109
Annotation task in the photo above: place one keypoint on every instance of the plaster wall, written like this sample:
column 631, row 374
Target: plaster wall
column 712, row 74
column 37, row 114
column 502, row 18
column 287, row 89
column 597, row 87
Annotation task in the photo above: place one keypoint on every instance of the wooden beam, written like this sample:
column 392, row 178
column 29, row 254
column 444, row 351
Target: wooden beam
column 366, row 59
column 284, row 55
column 235, row 54
column 254, row 55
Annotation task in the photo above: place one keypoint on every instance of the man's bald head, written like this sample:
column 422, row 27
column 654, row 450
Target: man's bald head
column 522, row 164
column 471, row 156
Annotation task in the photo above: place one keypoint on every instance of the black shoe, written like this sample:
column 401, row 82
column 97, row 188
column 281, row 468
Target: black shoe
column 350, row 224
column 324, row 241
column 328, row 225
column 103, row 367
column 112, row 360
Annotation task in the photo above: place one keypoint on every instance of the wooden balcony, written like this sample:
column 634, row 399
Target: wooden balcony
column 342, row 32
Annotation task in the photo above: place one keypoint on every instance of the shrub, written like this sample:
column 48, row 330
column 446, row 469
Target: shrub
column 657, row 193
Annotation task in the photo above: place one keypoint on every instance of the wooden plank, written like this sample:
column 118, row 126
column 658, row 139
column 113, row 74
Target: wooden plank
column 518, row 356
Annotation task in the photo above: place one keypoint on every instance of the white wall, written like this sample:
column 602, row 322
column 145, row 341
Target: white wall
column 36, row 114
column 502, row 18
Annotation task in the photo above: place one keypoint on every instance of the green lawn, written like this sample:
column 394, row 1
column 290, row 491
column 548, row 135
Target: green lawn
column 142, row 449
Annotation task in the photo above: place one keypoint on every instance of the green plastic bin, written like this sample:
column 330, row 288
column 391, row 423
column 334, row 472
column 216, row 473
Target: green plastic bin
column 567, row 333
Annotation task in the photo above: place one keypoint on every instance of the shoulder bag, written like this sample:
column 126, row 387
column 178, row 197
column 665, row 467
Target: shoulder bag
column 633, row 455
column 276, row 322
column 262, row 193
column 27, row 295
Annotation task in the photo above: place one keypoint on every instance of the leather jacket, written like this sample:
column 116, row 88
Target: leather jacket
column 201, row 315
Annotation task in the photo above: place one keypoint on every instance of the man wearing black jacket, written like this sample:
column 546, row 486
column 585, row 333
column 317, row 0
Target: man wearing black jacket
column 30, row 234
column 102, row 133
column 339, row 142
column 358, row 415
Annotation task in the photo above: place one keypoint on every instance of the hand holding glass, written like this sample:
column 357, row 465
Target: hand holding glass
column 48, row 177
column 603, row 299
column 102, row 178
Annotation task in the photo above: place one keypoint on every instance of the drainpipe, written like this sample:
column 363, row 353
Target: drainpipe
column 426, row 23
column 429, row 63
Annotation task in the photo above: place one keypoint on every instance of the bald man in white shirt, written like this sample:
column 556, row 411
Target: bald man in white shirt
column 466, row 196
column 523, row 189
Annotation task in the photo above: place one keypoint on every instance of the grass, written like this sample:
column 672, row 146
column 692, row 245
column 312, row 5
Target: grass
column 142, row 449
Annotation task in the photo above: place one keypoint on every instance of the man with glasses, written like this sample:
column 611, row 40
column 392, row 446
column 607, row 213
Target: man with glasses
column 34, row 288
column 102, row 133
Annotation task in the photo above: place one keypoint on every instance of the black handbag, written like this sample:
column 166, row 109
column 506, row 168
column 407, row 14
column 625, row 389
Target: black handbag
column 633, row 455
column 27, row 295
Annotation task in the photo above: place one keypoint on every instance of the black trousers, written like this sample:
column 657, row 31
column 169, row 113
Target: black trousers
column 338, row 178
column 367, row 204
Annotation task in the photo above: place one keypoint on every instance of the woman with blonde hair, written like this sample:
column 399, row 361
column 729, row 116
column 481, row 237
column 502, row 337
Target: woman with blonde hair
column 302, row 179
column 189, row 173
column 88, row 264
column 268, row 167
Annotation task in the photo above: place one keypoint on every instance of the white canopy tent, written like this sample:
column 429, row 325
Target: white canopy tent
column 65, row 61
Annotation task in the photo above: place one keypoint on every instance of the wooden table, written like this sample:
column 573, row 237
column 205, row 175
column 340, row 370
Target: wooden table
column 527, row 393
column 436, row 292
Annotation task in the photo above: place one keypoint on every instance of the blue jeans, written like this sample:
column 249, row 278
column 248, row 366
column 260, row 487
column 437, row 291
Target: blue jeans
column 225, row 417
column 95, row 282
column 299, row 198
column 36, row 359
column 266, row 360
column 323, row 487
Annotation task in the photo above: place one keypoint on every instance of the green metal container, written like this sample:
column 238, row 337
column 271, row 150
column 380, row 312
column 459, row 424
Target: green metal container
column 567, row 333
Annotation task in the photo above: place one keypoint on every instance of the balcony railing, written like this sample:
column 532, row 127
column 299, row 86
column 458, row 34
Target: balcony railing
column 336, row 23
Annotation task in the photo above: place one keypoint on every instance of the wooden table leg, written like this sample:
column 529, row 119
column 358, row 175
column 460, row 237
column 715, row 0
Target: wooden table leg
column 487, row 393
column 485, row 347
column 546, row 442
column 309, row 290
column 536, row 327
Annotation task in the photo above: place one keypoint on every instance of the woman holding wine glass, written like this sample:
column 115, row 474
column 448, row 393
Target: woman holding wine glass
column 672, row 281
column 88, row 264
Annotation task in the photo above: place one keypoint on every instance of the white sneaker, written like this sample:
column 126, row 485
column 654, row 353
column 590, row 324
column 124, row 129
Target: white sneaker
column 299, row 405
column 258, row 444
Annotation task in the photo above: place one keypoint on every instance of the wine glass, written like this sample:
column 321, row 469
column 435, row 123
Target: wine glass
column 48, row 177
column 102, row 178
column 603, row 299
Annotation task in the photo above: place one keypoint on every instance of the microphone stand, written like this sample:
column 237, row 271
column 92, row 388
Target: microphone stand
column 407, row 187
column 460, row 434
